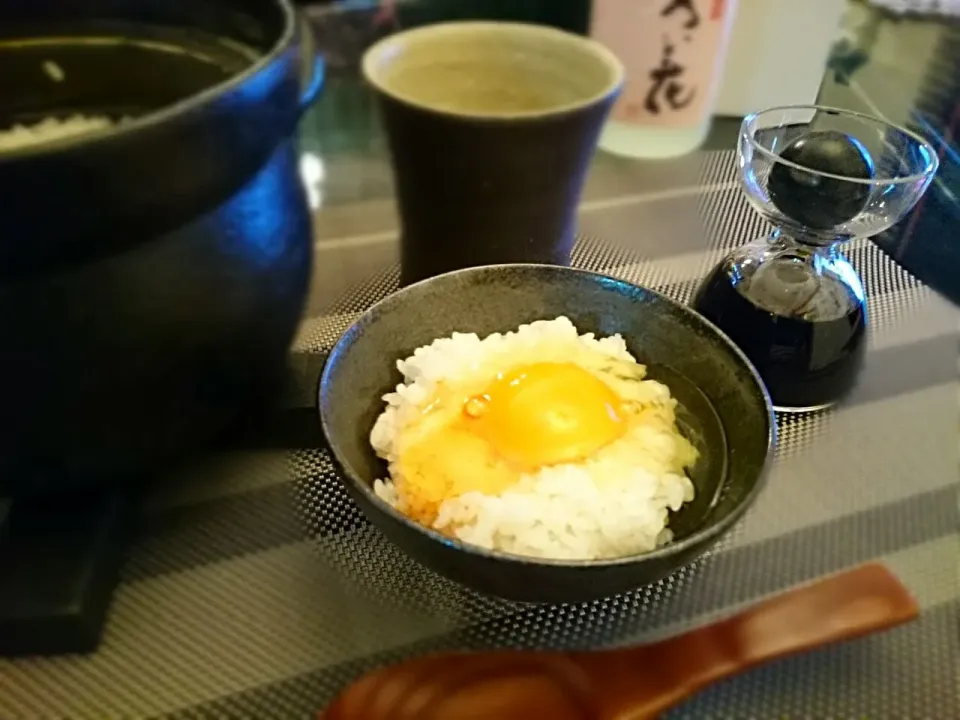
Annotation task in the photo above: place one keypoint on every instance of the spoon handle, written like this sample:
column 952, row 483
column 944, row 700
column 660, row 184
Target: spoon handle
column 631, row 684
column 644, row 681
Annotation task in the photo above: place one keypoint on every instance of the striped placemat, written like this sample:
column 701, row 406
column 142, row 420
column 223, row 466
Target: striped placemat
column 256, row 589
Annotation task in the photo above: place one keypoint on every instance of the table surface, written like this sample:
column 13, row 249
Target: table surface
column 256, row 589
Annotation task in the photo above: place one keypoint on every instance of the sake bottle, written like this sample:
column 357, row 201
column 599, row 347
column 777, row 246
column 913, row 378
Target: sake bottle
column 673, row 52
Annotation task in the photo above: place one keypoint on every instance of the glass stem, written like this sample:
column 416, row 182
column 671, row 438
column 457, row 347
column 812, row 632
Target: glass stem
column 790, row 277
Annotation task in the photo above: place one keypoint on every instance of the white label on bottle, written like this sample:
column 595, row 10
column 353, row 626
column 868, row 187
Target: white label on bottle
column 672, row 51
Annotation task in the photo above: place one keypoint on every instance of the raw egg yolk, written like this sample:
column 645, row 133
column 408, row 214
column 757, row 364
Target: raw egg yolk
column 448, row 464
column 546, row 414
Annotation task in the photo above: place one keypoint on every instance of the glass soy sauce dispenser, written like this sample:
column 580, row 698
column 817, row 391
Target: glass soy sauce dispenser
column 792, row 301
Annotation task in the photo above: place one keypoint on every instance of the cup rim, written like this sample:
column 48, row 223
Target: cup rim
column 382, row 47
column 933, row 161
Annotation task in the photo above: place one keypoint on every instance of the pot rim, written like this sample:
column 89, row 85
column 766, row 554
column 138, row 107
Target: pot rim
column 167, row 112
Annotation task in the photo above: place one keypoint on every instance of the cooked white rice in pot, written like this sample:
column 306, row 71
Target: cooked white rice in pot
column 51, row 129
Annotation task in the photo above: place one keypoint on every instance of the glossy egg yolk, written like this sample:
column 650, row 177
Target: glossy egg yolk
column 545, row 414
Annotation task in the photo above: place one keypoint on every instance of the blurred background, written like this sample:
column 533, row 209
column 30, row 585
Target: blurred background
column 896, row 59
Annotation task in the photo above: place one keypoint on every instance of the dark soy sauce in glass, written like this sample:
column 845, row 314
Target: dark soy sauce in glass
column 808, row 357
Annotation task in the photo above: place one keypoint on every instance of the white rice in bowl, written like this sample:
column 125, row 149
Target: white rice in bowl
column 611, row 503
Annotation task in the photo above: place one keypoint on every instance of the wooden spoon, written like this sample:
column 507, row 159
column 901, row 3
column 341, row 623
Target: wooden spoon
column 631, row 684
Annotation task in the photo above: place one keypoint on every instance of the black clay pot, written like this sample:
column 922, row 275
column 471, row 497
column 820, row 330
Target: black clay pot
column 151, row 276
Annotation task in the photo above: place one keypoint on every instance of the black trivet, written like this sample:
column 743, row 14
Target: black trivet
column 60, row 556
column 60, row 560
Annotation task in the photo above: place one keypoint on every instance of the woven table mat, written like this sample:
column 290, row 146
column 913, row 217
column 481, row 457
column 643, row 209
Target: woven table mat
column 256, row 589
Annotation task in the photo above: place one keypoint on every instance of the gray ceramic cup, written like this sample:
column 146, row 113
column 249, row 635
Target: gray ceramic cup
column 491, row 128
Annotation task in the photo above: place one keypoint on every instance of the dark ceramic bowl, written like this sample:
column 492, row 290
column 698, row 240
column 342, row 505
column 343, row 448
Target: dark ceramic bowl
column 725, row 411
